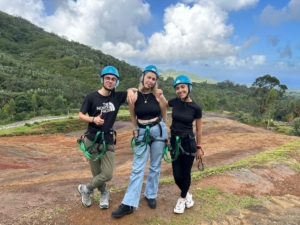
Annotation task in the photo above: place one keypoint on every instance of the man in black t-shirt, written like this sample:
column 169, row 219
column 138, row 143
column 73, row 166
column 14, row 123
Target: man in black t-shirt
column 99, row 109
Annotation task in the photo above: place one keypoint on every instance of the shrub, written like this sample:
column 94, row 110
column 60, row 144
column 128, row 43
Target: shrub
column 296, row 127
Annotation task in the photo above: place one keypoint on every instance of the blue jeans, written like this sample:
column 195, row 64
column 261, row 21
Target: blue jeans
column 133, row 192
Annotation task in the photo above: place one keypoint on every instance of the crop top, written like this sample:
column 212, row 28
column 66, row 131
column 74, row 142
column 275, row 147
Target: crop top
column 146, row 107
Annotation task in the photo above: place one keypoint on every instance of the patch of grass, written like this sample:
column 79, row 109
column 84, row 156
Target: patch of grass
column 284, row 129
column 211, row 204
column 41, row 215
column 282, row 154
column 216, row 203
column 58, row 210
column 117, row 190
column 96, row 197
column 154, row 221
column 61, row 126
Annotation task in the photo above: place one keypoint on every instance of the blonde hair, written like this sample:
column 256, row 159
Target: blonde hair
column 142, row 87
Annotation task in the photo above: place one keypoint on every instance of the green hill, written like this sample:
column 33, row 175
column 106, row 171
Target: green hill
column 194, row 77
column 42, row 74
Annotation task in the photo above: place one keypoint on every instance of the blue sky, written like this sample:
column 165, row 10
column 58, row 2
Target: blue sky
column 225, row 40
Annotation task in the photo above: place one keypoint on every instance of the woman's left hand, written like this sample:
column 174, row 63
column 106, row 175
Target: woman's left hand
column 199, row 153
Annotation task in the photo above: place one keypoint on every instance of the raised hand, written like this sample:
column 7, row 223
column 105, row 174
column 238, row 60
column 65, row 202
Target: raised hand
column 98, row 120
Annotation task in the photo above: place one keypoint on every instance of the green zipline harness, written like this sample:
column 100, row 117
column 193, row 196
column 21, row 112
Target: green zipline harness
column 168, row 148
column 143, row 143
column 86, row 151
column 147, row 138
column 176, row 152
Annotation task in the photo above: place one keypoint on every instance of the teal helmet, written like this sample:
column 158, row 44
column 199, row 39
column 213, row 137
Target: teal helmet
column 150, row 68
column 183, row 79
column 112, row 71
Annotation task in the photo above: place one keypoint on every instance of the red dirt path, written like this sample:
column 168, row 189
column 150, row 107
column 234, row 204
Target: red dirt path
column 40, row 175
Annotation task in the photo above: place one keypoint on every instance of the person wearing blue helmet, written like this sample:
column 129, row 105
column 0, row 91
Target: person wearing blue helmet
column 99, row 109
column 184, row 113
column 148, row 114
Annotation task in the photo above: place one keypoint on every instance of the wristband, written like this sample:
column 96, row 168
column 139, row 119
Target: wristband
column 199, row 147
column 93, row 119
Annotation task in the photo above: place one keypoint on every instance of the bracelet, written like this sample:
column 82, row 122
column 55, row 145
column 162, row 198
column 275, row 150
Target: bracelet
column 199, row 147
column 93, row 119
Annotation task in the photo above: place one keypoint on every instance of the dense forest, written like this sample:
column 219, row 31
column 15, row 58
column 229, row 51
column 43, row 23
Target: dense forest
column 42, row 73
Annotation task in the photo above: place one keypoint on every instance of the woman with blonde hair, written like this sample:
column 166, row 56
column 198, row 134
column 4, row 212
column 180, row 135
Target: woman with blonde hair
column 148, row 114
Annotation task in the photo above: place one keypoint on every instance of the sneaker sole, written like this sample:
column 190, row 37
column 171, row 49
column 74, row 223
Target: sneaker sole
column 104, row 206
column 190, row 205
column 119, row 216
column 178, row 212
column 81, row 198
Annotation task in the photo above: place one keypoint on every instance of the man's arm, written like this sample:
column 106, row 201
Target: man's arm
column 90, row 119
column 85, row 118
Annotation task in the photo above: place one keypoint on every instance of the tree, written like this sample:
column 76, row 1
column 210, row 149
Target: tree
column 271, row 101
column 12, row 107
column 295, row 106
column 34, row 103
column 261, row 88
column 296, row 127
column 23, row 104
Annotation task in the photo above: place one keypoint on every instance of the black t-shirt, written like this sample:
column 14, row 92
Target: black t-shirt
column 149, row 110
column 94, row 103
column 183, row 116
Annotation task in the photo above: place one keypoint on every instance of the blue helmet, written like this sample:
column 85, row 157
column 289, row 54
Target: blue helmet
column 183, row 79
column 112, row 71
column 151, row 68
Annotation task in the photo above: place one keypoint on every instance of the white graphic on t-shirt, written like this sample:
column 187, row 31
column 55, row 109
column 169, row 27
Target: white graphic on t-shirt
column 107, row 107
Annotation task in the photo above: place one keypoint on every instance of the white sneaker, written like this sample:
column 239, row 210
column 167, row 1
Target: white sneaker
column 180, row 206
column 189, row 200
column 85, row 195
column 104, row 200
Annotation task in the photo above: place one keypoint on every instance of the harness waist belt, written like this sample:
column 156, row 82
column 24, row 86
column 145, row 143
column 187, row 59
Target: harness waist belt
column 184, row 135
column 152, row 124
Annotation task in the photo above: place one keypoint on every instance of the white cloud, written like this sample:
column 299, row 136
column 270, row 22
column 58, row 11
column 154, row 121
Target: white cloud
column 258, row 59
column 233, row 62
column 94, row 22
column 271, row 16
column 32, row 10
column 226, row 4
column 191, row 34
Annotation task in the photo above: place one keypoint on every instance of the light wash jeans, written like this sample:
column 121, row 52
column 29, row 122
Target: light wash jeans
column 133, row 192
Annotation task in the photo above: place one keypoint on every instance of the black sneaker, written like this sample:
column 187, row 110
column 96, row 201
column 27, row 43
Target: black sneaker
column 151, row 202
column 122, row 210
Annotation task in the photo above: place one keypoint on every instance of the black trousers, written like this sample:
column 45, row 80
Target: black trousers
column 182, row 166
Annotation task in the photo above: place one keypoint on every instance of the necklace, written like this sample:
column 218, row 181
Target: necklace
column 145, row 99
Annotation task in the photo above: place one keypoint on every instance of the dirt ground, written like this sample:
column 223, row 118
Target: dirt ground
column 39, row 176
